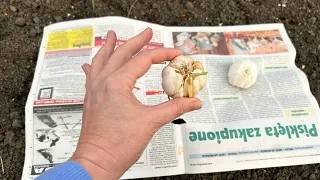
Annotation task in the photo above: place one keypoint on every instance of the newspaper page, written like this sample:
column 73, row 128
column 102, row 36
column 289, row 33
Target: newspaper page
column 273, row 123
column 279, row 104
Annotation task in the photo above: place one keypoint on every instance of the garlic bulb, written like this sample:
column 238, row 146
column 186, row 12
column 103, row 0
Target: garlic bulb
column 243, row 74
column 183, row 77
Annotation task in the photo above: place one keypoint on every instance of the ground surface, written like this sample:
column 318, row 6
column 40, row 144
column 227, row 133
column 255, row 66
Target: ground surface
column 21, row 23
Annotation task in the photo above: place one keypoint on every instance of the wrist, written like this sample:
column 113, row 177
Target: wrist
column 98, row 163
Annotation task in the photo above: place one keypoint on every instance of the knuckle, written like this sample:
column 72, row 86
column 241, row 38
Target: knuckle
column 112, row 84
column 145, row 51
column 109, row 80
column 130, row 78
column 131, row 52
column 108, row 84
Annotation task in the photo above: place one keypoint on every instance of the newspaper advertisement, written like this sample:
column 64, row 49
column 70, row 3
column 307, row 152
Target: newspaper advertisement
column 273, row 123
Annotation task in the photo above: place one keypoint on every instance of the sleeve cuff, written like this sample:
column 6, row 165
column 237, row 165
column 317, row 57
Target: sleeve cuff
column 66, row 171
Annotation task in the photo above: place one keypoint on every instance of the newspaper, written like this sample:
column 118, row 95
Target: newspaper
column 274, row 123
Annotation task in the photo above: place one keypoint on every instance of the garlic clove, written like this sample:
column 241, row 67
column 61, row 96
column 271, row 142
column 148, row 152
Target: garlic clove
column 243, row 74
column 189, row 87
column 172, row 81
column 195, row 83
column 198, row 65
column 201, row 80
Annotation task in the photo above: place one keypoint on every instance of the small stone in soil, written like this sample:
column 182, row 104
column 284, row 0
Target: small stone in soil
column 35, row 5
column 312, row 177
column 33, row 32
column 9, row 137
column 20, row 21
column 39, row 31
column 313, row 75
column 13, row 8
column 17, row 123
column 28, row 3
column 155, row 6
column 36, row 20
column 58, row 18
column 18, row 145
column 189, row 5
column 20, row 13
column 14, row 115
column 312, row 20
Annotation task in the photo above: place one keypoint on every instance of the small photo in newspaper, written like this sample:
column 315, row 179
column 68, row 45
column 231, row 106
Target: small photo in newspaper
column 255, row 42
column 47, row 136
column 200, row 43
column 45, row 93
column 47, row 120
column 44, row 156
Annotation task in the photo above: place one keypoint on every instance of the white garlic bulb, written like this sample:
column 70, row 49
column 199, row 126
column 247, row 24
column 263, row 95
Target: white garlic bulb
column 243, row 74
column 183, row 77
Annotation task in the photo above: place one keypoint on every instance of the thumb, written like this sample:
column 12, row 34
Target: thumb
column 87, row 69
column 170, row 110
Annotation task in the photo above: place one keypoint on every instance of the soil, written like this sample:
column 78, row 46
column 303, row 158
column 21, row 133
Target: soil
column 22, row 21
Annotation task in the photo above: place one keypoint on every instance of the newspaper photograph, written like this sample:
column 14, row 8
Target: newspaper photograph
column 255, row 42
column 273, row 123
column 200, row 43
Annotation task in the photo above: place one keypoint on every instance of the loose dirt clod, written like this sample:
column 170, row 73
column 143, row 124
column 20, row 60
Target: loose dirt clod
column 13, row 8
column 20, row 21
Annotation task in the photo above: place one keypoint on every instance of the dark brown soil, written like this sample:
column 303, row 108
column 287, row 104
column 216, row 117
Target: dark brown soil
column 22, row 21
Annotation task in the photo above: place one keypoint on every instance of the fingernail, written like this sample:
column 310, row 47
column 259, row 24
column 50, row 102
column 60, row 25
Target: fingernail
column 148, row 28
column 108, row 34
column 196, row 104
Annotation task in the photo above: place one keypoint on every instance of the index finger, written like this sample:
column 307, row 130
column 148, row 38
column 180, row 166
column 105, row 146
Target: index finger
column 125, row 52
column 142, row 62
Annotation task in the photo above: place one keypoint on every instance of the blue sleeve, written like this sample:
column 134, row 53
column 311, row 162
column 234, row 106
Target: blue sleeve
column 65, row 171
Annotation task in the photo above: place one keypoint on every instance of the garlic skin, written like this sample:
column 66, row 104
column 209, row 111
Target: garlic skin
column 243, row 74
column 173, row 81
column 183, row 77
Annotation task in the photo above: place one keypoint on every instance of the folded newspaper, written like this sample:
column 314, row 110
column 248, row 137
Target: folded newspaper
column 273, row 123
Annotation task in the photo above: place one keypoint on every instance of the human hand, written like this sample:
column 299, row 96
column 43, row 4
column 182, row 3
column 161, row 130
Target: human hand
column 116, row 127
